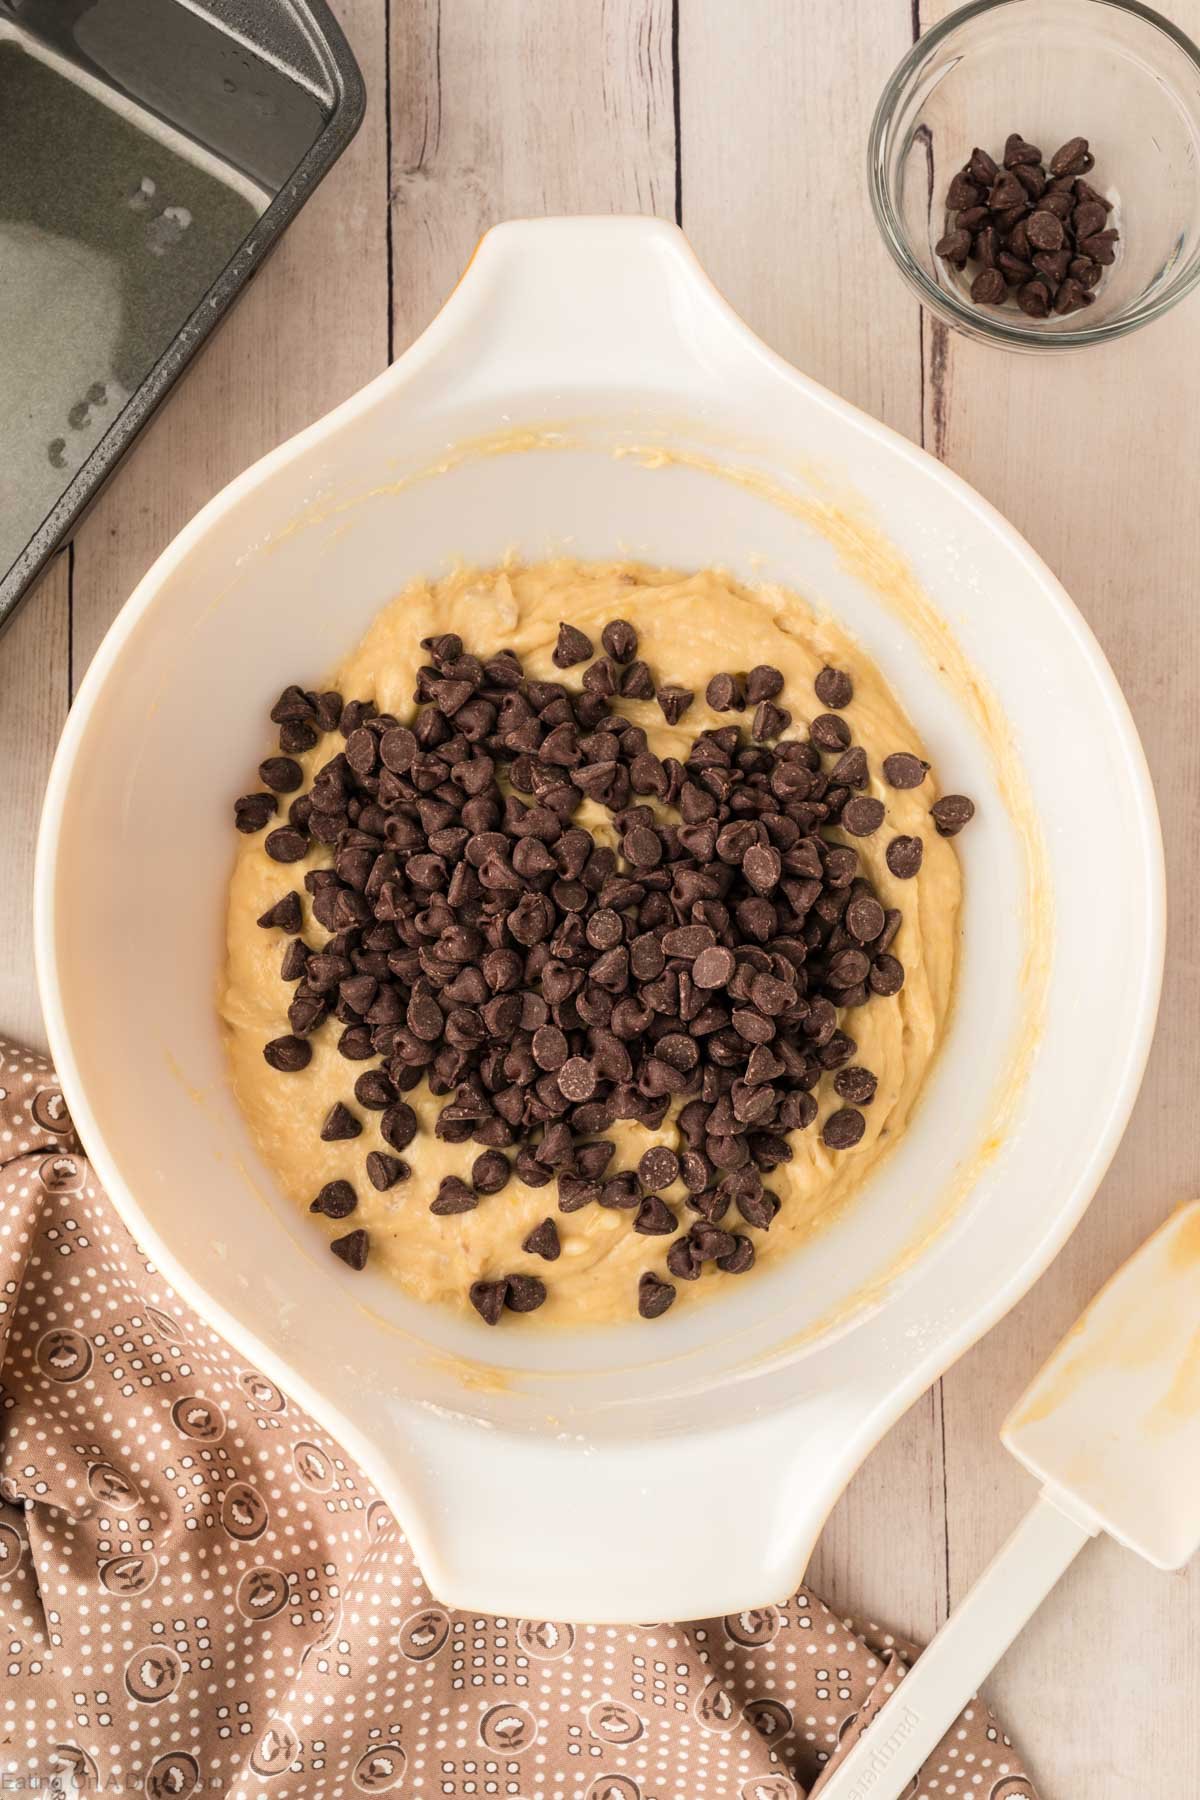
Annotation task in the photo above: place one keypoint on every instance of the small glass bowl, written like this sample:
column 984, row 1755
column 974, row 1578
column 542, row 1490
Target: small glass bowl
column 1108, row 70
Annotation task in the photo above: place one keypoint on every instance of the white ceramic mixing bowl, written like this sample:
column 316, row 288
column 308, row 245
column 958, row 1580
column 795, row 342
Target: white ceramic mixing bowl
column 684, row 1467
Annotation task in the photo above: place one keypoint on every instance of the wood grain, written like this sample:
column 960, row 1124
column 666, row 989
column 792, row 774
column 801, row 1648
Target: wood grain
column 752, row 120
column 1119, row 525
column 501, row 111
column 34, row 664
column 775, row 107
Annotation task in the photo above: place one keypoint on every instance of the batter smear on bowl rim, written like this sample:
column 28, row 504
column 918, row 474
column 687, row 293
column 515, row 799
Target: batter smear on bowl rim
column 590, row 938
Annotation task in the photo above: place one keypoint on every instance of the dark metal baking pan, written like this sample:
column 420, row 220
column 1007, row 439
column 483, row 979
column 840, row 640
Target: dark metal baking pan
column 151, row 153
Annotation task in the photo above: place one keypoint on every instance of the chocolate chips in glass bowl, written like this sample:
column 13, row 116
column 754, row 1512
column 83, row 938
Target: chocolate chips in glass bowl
column 545, row 985
column 1034, row 232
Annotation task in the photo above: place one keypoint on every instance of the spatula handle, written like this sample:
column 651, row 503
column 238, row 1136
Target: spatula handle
column 970, row 1643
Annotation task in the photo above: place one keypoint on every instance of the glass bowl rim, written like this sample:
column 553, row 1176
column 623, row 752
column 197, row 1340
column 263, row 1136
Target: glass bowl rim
column 972, row 320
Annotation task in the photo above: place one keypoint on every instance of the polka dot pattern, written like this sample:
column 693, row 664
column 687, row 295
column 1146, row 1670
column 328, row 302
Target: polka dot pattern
column 200, row 1592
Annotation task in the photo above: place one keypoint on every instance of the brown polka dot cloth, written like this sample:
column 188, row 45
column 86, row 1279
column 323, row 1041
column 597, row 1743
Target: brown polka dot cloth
column 199, row 1592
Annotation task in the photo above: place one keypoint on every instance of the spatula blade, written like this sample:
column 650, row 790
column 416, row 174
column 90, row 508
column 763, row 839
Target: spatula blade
column 1113, row 1419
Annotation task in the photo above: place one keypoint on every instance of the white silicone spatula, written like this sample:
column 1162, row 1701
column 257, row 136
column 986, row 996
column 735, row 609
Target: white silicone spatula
column 1111, row 1429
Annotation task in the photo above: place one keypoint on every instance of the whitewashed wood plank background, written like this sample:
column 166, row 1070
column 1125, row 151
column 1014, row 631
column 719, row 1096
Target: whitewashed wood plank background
column 747, row 123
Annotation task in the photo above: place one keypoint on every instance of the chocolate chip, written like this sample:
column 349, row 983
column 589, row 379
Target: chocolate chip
column 844, row 1128
column 453, row 1196
column 286, row 845
column 710, row 1242
column 770, row 721
column 529, row 1169
column 739, row 1259
column 292, row 704
column 988, row 288
column 573, row 646
column 951, row 813
column 847, row 968
column 487, row 1297
column 353, row 1248
column 1018, row 150
column 683, row 1261
column 714, row 967
column 758, row 1205
column 1044, row 231
column 904, row 856
column 887, row 975
column 674, row 702
column 1099, row 247
column 577, row 1079
column 374, row 1089
column 655, row 1218
column 288, row 1054
column 864, row 918
column 306, row 1012
column 658, row 1168
column 620, row 1192
column 543, row 1241
column 903, row 770
column 764, row 682
column 604, row 931
column 838, row 1050
column 283, row 776
column 384, row 1172
column 525, row 1293
column 620, row 640
column 643, row 847
column 1070, row 158
column 295, row 960
column 398, row 1127
column 296, row 737
column 962, row 191
column 862, row 815
column 830, row 732
column 251, row 811
column 1032, row 178
column 855, row 1084
column 892, row 921
column 490, row 1172
column 329, row 710
column 340, row 1123
column 724, row 693
column 1070, row 297
column 399, row 749
column 762, row 867
column 850, row 770
column 337, row 1200
column 549, row 1047
column 954, row 246
column 834, row 688
column 654, row 1295
column 1034, row 299
column 688, row 941
column 601, row 680
column 362, row 751
column 285, row 915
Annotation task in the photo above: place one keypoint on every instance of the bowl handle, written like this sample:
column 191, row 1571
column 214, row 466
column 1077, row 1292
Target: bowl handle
column 561, row 1525
column 568, row 301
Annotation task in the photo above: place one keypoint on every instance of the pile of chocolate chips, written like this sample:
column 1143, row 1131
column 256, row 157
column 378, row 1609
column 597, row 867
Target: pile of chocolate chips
column 1035, row 230
column 545, row 985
